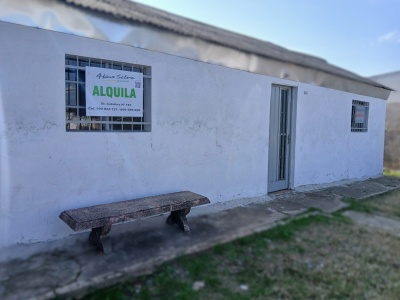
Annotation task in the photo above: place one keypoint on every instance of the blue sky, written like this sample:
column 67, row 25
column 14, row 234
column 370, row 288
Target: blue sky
column 362, row 36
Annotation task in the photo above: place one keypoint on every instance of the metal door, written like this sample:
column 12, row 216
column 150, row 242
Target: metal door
column 279, row 138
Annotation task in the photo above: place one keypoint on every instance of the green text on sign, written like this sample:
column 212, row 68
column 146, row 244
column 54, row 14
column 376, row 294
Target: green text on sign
column 113, row 92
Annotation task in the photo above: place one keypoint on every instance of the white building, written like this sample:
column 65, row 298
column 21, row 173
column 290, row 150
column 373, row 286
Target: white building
column 223, row 115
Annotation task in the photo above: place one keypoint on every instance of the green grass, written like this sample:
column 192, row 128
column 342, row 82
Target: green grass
column 357, row 205
column 387, row 204
column 393, row 173
column 312, row 256
column 174, row 280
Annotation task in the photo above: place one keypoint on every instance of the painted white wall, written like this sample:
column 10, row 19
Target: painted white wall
column 209, row 135
column 326, row 149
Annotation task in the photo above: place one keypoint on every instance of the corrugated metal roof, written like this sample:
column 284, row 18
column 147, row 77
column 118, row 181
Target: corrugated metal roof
column 136, row 12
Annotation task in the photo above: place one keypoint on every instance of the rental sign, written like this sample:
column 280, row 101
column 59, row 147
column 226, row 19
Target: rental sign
column 360, row 114
column 113, row 93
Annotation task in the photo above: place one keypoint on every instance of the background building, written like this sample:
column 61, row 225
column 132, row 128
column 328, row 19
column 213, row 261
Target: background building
column 392, row 133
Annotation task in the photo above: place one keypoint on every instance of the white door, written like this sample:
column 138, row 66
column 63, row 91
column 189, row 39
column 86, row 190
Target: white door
column 280, row 140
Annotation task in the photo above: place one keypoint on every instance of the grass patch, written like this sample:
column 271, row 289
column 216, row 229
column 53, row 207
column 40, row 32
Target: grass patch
column 223, row 269
column 357, row 205
column 309, row 257
column 388, row 203
column 287, row 231
column 392, row 173
column 117, row 292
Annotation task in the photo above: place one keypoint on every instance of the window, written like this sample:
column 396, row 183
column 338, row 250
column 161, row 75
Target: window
column 75, row 97
column 359, row 116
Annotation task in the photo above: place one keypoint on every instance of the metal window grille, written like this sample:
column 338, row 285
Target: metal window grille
column 359, row 116
column 75, row 98
column 284, row 99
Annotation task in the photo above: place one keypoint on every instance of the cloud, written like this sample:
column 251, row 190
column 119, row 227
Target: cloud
column 391, row 37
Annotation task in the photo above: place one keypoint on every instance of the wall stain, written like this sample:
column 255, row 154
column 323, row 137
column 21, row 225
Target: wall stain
column 18, row 127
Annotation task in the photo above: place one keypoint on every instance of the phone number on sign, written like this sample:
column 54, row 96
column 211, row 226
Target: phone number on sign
column 113, row 109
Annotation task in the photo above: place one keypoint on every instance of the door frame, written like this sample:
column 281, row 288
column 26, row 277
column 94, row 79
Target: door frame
column 292, row 132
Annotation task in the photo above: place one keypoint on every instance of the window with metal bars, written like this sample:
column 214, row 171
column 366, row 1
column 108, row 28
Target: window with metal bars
column 75, row 97
column 359, row 116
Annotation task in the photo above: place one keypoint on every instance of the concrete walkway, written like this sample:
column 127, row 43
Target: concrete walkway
column 71, row 267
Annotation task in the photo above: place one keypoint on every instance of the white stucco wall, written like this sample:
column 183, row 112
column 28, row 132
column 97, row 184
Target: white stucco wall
column 209, row 135
column 326, row 149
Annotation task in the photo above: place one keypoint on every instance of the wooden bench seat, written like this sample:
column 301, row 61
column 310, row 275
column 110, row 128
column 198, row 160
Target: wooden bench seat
column 99, row 218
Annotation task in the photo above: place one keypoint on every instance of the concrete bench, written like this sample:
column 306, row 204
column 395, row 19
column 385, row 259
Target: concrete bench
column 99, row 218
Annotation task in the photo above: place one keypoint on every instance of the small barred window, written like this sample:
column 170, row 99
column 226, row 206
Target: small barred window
column 77, row 116
column 359, row 116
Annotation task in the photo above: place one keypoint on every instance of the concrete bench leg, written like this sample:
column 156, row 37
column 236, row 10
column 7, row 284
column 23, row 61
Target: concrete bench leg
column 98, row 237
column 179, row 217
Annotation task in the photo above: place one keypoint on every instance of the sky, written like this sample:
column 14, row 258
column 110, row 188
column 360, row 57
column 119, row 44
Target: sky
column 362, row 36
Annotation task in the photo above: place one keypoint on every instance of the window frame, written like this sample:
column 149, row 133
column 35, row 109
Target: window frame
column 75, row 98
column 358, row 105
